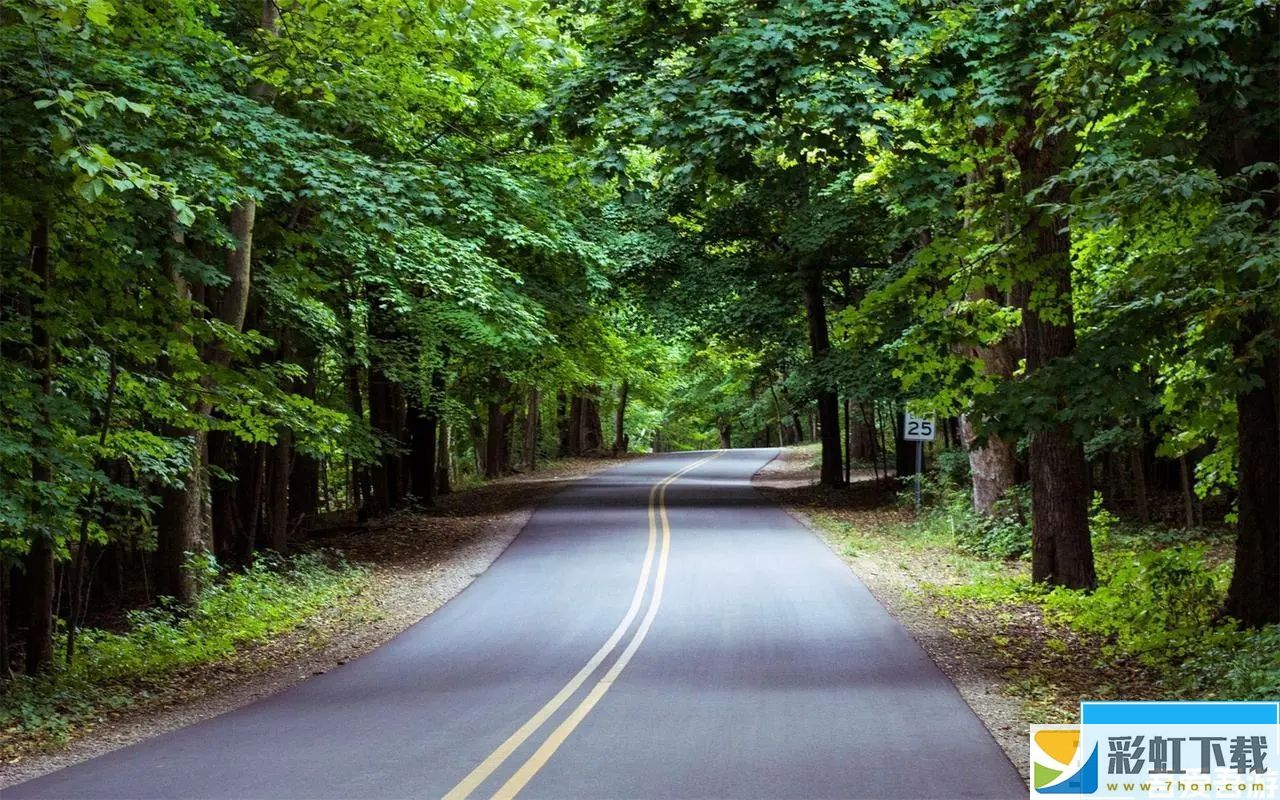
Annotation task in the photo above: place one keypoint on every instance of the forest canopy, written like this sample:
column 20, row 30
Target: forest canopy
column 264, row 263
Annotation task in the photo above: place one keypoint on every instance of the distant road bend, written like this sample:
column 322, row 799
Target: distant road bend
column 656, row 631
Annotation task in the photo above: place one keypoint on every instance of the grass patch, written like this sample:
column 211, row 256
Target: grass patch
column 113, row 670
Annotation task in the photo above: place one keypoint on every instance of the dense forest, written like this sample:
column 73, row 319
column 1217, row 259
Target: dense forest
column 269, row 263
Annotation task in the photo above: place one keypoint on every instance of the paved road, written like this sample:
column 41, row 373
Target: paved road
column 644, row 637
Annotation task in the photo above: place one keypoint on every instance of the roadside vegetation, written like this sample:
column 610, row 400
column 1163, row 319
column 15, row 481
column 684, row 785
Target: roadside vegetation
column 156, row 645
column 1152, row 628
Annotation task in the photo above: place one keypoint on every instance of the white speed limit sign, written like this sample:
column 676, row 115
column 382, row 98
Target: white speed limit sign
column 918, row 429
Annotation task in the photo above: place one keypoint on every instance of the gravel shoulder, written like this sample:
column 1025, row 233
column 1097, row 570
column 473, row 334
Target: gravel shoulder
column 418, row 560
column 897, row 580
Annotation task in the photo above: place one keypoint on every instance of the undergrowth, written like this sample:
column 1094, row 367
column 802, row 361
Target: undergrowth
column 113, row 670
column 1158, row 598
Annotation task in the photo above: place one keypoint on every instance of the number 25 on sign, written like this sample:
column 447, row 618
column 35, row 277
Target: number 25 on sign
column 918, row 429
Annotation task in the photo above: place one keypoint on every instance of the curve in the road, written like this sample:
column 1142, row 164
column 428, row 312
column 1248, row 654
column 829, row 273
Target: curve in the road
column 767, row 671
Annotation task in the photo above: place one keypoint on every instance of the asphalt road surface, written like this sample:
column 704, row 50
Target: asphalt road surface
column 656, row 631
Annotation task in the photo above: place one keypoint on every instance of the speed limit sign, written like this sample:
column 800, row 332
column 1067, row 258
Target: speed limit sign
column 918, row 429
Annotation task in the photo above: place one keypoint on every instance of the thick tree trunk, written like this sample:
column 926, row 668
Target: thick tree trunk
column 247, row 493
column 444, row 462
column 1254, row 594
column 575, row 426
column 828, row 403
column 422, row 429
column 620, row 419
column 384, row 475
column 726, row 437
column 1062, row 551
column 592, row 430
column 361, row 491
column 304, row 472
column 235, row 297
column 564, row 425
column 181, row 524
column 532, row 428
column 275, row 512
column 181, row 520
column 494, row 432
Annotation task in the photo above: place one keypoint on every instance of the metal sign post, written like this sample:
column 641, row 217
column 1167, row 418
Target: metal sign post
column 918, row 430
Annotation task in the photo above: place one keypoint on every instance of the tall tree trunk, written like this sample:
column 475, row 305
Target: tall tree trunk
column 39, row 558
column 620, row 419
column 251, row 474
column 361, row 491
column 181, row 518
column 275, row 512
column 1249, row 136
column 422, row 424
column 494, row 432
column 384, row 475
column 444, row 464
column 828, row 404
column 304, row 471
column 726, row 436
column 564, row 425
column 848, row 442
column 1061, row 548
column 532, row 428
column 592, row 430
column 575, row 426
column 1254, row 594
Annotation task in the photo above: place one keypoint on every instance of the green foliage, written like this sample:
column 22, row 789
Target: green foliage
column 114, row 669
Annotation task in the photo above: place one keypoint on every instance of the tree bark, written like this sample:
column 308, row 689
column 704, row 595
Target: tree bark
column 726, row 437
column 992, row 464
column 444, row 468
column 532, row 428
column 422, row 429
column 181, row 519
column 1062, row 551
column 275, row 519
column 575, row 426
column 1254, row 594
column 828, row 403
column 564, row 425
column 619, row 420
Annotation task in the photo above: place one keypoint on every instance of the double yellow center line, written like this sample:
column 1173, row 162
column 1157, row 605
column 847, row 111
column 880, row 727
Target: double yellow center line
column 535, row 762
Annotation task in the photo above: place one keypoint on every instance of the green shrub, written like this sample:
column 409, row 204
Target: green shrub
column 114, row 669
column 1154, row 604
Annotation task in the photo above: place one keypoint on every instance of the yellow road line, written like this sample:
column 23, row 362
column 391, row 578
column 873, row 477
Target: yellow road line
column 495, row 759
column 544, row 753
